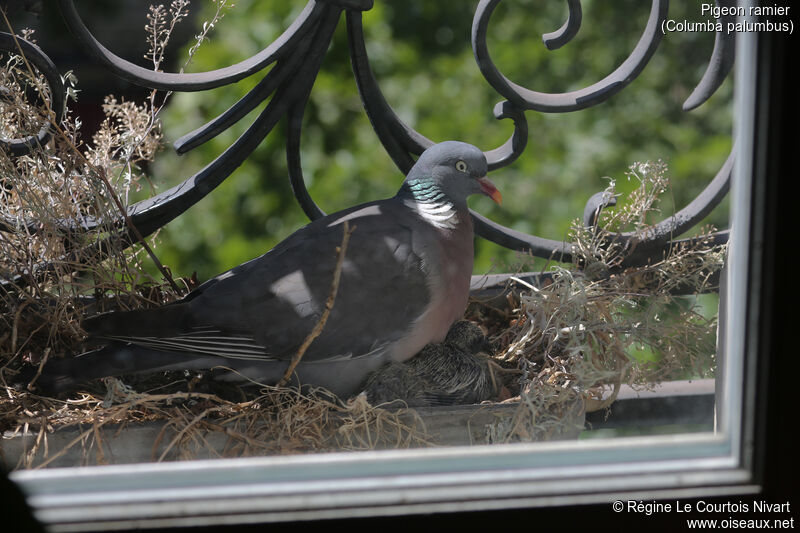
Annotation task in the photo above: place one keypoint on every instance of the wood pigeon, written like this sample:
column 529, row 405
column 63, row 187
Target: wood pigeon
column 404, row 281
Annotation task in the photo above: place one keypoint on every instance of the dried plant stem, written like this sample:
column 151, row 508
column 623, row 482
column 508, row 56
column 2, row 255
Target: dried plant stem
column 593, row 404
column 128, row 222
column 174, row 396
column 235, row 434
column 318, row 327
column 66, row 448
column 100, row 173
column 183, row 431
column 43, row 362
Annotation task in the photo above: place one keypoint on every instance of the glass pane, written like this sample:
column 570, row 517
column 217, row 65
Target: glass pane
column 596, row 288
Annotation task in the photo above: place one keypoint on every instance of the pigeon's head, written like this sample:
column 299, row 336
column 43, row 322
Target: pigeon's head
column 455, row 169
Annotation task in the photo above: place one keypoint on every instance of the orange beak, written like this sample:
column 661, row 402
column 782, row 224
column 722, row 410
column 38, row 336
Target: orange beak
column 488, row 188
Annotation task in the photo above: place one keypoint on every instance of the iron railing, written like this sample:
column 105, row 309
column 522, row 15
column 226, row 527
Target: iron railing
column 297, row 55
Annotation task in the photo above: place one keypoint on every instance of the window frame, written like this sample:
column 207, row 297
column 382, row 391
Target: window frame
column 730, row 462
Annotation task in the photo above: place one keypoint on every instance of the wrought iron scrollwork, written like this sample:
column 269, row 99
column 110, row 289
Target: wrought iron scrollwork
column 296, row 56
column 165, row 81
column 399, row 139
column 45, row 66
column 720, row 64
column 522, row 98
column 565, row 33
column 573, row 100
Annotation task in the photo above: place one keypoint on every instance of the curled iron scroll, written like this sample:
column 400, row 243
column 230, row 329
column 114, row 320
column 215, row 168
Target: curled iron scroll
column 658, row 236
column 565, row 33
column 399, row 139
column 38, row 59
column 573, row 100
column 721, row 62
column 200, row 81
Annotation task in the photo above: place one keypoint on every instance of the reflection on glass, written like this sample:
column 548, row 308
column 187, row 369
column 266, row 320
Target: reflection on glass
column 608, row 327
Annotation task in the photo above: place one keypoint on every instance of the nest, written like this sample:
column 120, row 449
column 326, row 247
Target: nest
column 190, row 424
column 557, row 348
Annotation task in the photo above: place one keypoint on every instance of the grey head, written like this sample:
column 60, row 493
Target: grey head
column 449, row 171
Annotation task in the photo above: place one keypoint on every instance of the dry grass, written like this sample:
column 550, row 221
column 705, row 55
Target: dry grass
column 48, row 263
column 276, row 421
column 587, row 331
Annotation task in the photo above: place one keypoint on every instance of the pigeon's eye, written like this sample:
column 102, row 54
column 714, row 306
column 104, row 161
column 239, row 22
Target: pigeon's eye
column 461, row 166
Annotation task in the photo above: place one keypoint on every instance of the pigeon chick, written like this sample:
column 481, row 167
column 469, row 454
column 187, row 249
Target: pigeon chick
column 449, row 373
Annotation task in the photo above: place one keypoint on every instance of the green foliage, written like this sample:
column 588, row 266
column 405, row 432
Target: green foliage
column 421, row 55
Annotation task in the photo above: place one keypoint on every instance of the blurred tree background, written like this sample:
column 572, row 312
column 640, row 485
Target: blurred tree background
column 421, row 55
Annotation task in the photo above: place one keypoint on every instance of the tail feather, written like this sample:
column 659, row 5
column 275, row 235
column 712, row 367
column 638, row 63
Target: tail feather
column 165, row 321
column 116, row 359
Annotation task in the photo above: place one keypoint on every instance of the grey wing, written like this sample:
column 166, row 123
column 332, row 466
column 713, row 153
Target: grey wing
column 265, row 309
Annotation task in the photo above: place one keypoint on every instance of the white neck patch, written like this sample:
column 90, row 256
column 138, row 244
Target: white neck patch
column 441, row 214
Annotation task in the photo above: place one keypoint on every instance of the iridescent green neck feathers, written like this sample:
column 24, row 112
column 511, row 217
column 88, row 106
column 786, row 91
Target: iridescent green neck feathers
column 425, row 196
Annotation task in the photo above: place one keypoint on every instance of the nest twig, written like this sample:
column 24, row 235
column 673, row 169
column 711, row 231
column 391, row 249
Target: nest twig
column 323, row 319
